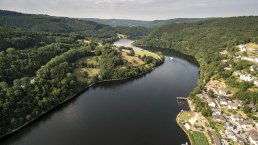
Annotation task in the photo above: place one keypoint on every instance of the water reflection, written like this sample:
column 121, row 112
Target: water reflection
column 138, row 111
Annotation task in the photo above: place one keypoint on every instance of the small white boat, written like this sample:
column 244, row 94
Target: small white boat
column 171, row 58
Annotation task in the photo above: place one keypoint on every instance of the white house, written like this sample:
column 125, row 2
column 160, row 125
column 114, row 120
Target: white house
column 242, row 47
column 237, row 118
column 252, row 59
column 253, row 68
column 247, row 77
column 253, row 137
column 216, row 111
column 220, row 118
column 256, row 83
column 211, row 103
column 224, row 52
column 227, row 68
column 237, row 73
column 223, row 91
column 32, row 80
column 246, row 125
column 223, row 101
column 233, row 105
column 187, row 126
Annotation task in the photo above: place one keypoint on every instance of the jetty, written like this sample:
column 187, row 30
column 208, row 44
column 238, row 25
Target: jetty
column 181, row 98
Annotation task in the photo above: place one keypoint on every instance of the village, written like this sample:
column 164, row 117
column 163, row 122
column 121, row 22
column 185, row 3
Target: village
column 228, row 123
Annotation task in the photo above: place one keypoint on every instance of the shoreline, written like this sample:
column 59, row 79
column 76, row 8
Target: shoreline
column 188, row 134
column 66, row 101
column 190, row 104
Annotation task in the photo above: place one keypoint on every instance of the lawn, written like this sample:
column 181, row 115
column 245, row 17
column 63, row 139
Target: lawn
column 186, row 116
column 199, row 138
column 147, row 53
column 251, row 45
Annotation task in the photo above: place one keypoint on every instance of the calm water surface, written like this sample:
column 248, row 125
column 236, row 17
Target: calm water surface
column 140, row 111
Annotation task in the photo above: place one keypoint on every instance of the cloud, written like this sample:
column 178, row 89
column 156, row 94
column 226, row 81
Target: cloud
column 134, row 9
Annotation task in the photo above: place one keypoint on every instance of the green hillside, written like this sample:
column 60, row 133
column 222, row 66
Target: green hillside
column 205, row 40
column 45, row 23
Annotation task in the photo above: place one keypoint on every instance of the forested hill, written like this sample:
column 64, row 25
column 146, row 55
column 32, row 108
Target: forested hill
column 208, row 36
column 45, row 23
column 205, row 40
column 148, row 24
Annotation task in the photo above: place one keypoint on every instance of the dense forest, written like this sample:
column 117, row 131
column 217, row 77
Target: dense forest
column 28, row 97
column 40, row 56
column 59, row 26
column 205, row 40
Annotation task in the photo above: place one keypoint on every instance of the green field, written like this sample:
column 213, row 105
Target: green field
column 186, row 116
column 199, row 138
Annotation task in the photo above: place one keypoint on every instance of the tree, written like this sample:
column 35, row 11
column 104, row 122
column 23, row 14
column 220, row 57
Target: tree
column 210, row 93
column 247, row 109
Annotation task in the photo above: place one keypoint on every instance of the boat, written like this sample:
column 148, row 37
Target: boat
column 171, row 58
column 185, row 143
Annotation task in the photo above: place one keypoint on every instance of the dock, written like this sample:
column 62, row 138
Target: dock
column 181, row 98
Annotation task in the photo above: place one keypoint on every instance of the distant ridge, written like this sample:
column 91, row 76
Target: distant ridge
column 149, row 24
column 46, row 23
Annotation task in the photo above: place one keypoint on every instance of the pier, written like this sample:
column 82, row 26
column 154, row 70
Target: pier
column 181, row 98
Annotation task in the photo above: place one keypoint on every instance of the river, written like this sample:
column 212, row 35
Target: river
column 139, row 111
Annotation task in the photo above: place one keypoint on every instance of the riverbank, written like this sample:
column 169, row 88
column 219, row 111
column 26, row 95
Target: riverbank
column 189, row 135
column 190, row 122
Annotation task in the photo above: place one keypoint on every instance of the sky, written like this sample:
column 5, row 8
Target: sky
column 134, row 9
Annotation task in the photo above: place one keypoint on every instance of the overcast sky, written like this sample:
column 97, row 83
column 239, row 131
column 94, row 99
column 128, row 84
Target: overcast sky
column 134, row 9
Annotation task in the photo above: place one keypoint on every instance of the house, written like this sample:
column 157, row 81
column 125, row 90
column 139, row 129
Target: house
column 220, row 118
column 252, row 59
column 211, row 103
column 32, row 80
column 240, row 140
column 223, row 101
column 230, row 135
column 242, row 47
column 224, row 52
column 187, row 126
column 237, row 73
column 233, row 105
column 216, row 111
column 253, row 68
column 253, row 137
column 236, row 118
column 223, row 91
column 231, row 126
column 247, row 77
column 246, row 125
column 224, row 60
column 256, row 83
column 252, row 106
column 227, row 68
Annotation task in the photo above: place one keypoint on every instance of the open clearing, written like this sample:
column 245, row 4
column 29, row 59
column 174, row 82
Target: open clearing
column 186, row 116
column 90, row 71
column 251, row 45
column 132, row 59
column 147, row 53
